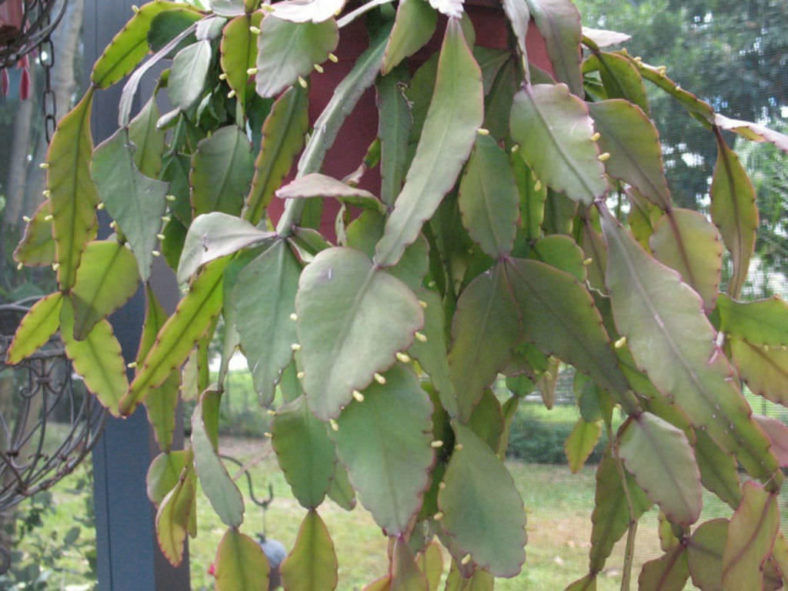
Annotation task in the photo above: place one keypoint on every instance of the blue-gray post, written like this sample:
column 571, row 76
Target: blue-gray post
column 128, row 554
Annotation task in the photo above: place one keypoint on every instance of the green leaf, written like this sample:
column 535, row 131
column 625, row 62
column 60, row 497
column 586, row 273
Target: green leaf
column 751, row 533
column 559, row 23
column 532, row 201
column 385, row 443
column 479, row 580
column 312, row 564
column 304, row 451
column 765, row 369
column 36, row 328
column 283, row 137
column 482, row 510
column 264, row 300
column 216, row 483
column 106, row 279
column 241, row 564
column 341, row 491
column 620, row 78
column 519, row 18
column 430, row 562
column 188, row 74
column 287, row 50
column 169, row 24
column 394, row 124
column 488, row 198
column 221, row 172
column 193, row 316
column 316, row 184
column 148, row 139
column 161, row 406
column 777, row 432
column 669, row 572
column 431, row 354
column 672, row 340
column 587, row 583
column 581, row 443
column 699, row 109
column 413, row 27
column 610, row 518
column 752, row 131
column 686, row 241
column 405, row 573
column 561, row 252
column 661, row 459
column 485, row 329
column 164, row 473
column 352, row 319
column 129, row 47
column 554, row 132
column 72, row 192
column 214, row 235
column 734, row 211
column 37, row 247
column 763, row 322
column 718, row 470
column 487, row 420
column 134, row 201
column 97, row 358
column 704, row 551
column 173, row 519
column 239, row 52
column 631, row 139
column 569, row 327
column 456, row 112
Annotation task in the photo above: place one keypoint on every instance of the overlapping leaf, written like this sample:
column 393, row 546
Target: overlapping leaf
column 752, row 131
column 215, row 481
column 189, row 73
column 148, row 139
column 283, row 137
column 456, row 112
column 581, row 442
column 105, row 281
column 554, row 131
column 287, row 50
column 394, row 125
column 352, row 319
column 214, row 235
column 751, row 535
column 72, row 193
column 482, row 511
column 671, row 338
column 631, row 139
column 485, row 329
column 669, row 572
column 36, row 328
column 488, row 198
column 413, row 27
column 385, row 443
column 312, row 564
column 37, row 247
column 734, row 211
column 316, row 184
column 620, row 78
column 241, row 564
column 239, row 52
column 97, row 358
column 304, row 451
column 662, row 461
column 164, row 472
column 194, row 314
column 134, row 201
column 559, row 23
column 686, row 241
column 174, row 517
column 221, row 172
column 264, row 300
column 718, row 470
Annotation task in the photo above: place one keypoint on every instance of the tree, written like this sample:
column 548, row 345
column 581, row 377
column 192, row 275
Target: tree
column 489, row 247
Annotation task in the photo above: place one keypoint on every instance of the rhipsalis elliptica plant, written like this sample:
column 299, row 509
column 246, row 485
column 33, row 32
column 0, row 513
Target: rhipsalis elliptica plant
column 522, row 217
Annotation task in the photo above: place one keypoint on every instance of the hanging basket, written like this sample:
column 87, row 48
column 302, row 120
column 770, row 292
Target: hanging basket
column 24, row 24
column 48, row 420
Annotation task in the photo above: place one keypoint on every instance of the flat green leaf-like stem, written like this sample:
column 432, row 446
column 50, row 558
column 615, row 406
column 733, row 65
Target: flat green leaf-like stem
column 37, row 247
column 413, row 27
column 241, row 564
column 72, row 193
column 554, row 132
column 559, row 23
column 37, row 326
column 239, row 52
column 352, row 320
column 385, row 443
column 312, row 564
column 194, row 314
column 456, row 112
column 671, row 338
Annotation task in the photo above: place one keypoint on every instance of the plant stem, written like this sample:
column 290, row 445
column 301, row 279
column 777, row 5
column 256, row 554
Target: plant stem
column 629, row 552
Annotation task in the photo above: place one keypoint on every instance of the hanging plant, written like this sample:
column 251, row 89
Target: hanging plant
column 391, row 206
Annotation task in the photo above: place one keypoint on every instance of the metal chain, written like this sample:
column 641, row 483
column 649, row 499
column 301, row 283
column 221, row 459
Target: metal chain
column 48, row 100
